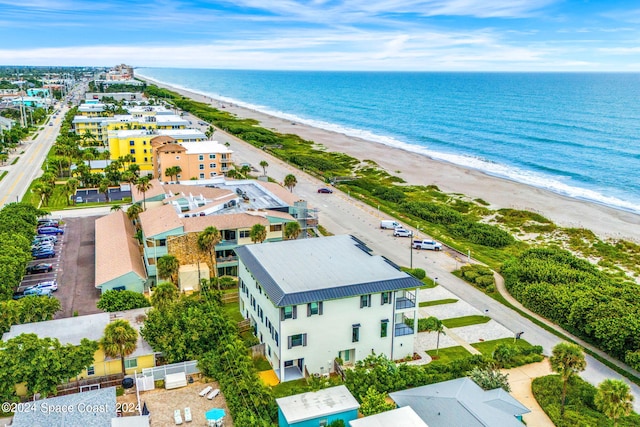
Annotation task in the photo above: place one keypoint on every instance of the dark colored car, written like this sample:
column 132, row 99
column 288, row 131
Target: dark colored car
column 44, row 253
column 39, row 268
column 50, row 230
column 325, row 190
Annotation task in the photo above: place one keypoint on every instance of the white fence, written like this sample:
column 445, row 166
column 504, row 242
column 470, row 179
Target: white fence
column 159, row 372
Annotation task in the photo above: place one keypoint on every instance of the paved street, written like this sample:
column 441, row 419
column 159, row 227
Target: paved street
column 342, row 214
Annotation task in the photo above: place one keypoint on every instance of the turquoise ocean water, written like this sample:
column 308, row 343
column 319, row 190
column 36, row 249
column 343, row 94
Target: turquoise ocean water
column 577, row 134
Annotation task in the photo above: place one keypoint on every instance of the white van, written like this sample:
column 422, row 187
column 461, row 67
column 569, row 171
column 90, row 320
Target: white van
column 389, row 224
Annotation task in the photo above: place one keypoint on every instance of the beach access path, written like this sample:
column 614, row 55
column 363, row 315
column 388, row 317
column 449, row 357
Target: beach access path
column 342, row 214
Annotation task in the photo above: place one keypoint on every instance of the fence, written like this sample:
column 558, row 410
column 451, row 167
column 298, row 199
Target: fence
column 244, row 325
column 89, row 384
column 159, row 372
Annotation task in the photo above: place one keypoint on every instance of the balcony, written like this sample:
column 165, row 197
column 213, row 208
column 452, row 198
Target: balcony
column 405, row 299
column 230, row 258
column 402, row 329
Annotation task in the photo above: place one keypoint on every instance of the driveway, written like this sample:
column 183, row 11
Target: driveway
column 76, row 274
column 520, row 381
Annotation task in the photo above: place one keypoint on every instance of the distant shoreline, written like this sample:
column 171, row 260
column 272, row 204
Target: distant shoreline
column 419, row 169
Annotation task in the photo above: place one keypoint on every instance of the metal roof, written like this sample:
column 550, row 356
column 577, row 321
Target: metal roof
column 306, row 270
column 315, row 404
column 461, row 402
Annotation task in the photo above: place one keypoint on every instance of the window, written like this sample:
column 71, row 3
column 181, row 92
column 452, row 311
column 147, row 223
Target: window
column 145, row 159
column 177, row 157
column 132, row 151
column 201, row 166
column 201, row 157
column 244, row 234
column 275, row 227
column 385, row 298
column 289, row 312
column 383, row 328
column 201, row 176
column 314, row 308
column 212, row 156
column 276, row 339
column 298, row 340
column 212, row 165
column 355, row 333
column 130, row 363
column 323, row 423
column 365, row 301
column 91, row 370
column 212, row 174
column 144, row 142
column 145, row 151
column 132, row 143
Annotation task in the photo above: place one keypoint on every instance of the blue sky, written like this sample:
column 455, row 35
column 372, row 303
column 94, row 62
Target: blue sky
column 439, row 35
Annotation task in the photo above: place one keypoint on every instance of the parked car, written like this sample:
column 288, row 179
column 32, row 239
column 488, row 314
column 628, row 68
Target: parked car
column 44, row 238
column 389, row 224
column 79, row 199
column 50, row 230
column 41, row 267
column 42, row 246
column 52, row 285
column 43, row 253
column 50, row 223
column 402, row 232
column 325, row 190
column 427, row 244
column 35, row 291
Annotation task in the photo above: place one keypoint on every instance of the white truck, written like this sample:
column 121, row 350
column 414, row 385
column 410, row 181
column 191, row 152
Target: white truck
column 389, row 224
column 427, row 244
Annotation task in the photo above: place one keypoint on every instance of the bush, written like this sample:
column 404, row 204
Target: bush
column 121, row 300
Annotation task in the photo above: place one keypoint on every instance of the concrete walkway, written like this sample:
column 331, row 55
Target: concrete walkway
column 460, row 341
column 520, row 381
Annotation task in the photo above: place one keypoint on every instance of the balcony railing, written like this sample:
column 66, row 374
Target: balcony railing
column 403, row 329
column 405, row 300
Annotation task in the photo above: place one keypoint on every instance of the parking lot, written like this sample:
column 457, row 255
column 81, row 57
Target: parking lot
column 92, row 195
column 73, row 268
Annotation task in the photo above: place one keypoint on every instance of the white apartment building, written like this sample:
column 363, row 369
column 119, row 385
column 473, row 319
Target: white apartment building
column 313, row 300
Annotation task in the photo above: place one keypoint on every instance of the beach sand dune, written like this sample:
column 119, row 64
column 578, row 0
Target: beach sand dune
column 419, row 169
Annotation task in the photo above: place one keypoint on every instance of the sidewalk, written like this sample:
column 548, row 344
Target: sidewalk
column 520, row 381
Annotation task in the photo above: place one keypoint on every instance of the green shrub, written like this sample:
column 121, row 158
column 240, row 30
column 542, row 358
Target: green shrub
column 122, row 300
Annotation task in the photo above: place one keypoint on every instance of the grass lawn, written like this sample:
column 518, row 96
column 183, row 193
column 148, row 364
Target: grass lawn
column 448, row 354
column 261, row 364
column 428, row 283
column 232, row 310
column 438, row 302
column 458, row 322
column 487, row 347
column 290, row 388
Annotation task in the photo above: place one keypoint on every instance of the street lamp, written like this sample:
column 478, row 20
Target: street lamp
column 411, row 250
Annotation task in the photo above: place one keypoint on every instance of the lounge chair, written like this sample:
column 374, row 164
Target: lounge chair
column 187, row 415
column 205, row 390
column 177, row 417
column 213, row 394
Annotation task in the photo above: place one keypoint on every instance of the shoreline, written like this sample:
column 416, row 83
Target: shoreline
column 419, row 169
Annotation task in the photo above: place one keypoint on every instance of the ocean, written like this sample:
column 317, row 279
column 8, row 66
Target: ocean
column 576, row 134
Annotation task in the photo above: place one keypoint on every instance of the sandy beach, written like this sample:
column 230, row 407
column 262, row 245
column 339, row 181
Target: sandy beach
column 421, row 170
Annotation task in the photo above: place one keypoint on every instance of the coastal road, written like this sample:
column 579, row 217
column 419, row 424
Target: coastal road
column 342, row 214
column 31, row 155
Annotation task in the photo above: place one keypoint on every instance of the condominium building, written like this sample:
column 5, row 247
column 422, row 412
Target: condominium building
column 199, row 160
column 311, row 301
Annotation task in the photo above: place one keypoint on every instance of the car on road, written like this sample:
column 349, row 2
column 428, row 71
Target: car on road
column 402, row 232
column 43, row 253
column 52, row 285
column 325, row 190
column 41, row 267
column 50, row 230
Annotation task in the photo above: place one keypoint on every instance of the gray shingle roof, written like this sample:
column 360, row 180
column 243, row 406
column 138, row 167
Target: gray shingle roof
column 461, row 402
column 301, row 271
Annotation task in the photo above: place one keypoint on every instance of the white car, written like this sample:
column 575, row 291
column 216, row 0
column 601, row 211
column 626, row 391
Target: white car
column 51, row 285
column 402, row 232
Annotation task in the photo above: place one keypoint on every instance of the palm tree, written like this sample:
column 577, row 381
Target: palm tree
column 88, row 155
column 177, row 170
column 119, row 340
column 433, row 324
column 70, row 188
column 567, row 360
column 232, row 173
column 264, row 165
column 116, row 208
column 168, row 266
column 143, row 185
column 290, row 181
column 258, row 233
column 133, row 212
column 207, row 241
column 103, row 188
column 244, row 170
column 168, row 172
column 614, row 399
column 164, row 295
column 292, row 230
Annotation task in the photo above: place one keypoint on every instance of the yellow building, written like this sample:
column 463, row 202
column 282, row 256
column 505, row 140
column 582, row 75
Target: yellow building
column 138, row 143
column 72, row 330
